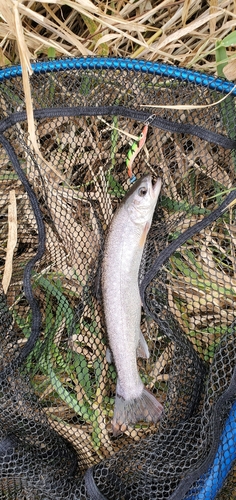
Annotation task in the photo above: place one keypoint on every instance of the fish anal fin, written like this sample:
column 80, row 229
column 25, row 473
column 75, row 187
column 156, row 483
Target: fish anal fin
column 142, row 349
column 144, row 408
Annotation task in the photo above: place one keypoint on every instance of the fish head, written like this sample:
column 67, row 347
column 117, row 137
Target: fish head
column 141, row 200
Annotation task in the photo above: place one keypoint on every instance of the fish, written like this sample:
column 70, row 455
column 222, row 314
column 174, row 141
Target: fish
column 122, row 303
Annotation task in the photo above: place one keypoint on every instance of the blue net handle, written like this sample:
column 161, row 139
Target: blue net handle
column 224, row 458
column 125, row 64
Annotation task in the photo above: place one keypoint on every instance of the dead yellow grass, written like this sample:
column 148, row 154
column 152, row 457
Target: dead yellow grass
column 11, row 241
column 182, row 32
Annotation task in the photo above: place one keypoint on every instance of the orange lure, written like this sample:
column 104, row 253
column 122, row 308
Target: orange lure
column 134, row 151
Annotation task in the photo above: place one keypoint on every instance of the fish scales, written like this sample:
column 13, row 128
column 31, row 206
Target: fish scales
column 122, row 304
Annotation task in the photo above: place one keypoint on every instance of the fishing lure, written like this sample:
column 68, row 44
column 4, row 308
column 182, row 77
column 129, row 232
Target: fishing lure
column 134, row 151
column 136, row 148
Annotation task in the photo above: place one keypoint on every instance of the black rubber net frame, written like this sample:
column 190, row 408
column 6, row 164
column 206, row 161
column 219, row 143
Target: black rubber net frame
column 56, row 387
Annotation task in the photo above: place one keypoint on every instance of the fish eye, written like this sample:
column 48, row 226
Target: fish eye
column 142, row 191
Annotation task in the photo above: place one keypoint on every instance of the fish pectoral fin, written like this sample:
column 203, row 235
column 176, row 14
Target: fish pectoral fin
column 109, row 356
column 144, row 234
column 142, row 349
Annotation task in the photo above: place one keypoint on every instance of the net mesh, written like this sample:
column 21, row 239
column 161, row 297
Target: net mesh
column 57, row 394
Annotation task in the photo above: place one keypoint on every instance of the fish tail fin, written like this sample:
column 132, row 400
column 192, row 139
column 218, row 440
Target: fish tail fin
column 144, row 408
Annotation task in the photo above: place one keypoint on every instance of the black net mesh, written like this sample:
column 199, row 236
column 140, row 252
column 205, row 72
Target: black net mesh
column 57, row 389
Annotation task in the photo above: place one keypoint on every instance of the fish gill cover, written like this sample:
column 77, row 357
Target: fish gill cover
column 62, row 373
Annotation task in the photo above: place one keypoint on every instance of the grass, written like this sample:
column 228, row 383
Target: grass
column 181, row 33
column 176, row 32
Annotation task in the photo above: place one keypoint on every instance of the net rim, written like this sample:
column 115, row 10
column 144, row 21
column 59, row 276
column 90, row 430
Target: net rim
column 123, row 64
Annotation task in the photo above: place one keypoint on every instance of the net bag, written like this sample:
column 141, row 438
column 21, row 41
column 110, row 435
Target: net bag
column 93, row 119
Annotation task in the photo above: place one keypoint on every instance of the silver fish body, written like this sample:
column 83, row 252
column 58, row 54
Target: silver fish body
column 122, row 304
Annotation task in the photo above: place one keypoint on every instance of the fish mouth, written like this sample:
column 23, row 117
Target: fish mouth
column 156, row 188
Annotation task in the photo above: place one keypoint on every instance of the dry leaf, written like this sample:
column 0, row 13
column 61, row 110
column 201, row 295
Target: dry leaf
column 189, row 29
column 230, row 70
column 185, row 11
column 11, row 241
